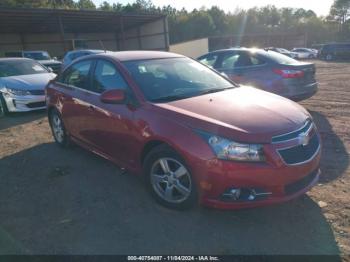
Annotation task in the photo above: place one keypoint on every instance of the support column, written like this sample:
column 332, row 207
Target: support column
column 122, row 32
column 63, row 38
column 139, row 38
column 166, row 33
column 23, row 44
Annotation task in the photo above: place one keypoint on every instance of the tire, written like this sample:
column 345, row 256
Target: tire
column 3, row 107
column 58, row 130
column 161, row 167
column 329, row 57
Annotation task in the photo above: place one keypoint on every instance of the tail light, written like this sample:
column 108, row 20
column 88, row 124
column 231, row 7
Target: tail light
column 287, row 73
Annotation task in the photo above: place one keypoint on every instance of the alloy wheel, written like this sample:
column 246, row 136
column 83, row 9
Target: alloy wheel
column 171, row 180
column 57, row 128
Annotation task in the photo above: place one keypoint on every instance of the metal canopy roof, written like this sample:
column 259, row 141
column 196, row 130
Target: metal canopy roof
column 18, row 20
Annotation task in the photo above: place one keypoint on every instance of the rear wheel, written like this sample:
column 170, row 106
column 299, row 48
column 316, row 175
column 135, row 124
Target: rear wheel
column 169, row 179
column 329, row 57
column 3, row 107
column 58, row 129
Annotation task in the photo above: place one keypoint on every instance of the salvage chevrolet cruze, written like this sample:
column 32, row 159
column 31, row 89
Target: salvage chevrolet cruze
column 196, row 136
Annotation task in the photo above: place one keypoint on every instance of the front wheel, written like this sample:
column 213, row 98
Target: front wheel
column 58, row 129
column 169, row 179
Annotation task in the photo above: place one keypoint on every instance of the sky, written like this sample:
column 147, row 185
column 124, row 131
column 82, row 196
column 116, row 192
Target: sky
column 320, row 7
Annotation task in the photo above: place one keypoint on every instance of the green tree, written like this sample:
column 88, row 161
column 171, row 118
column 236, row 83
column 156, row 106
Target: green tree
column 24, row 3
column 340, row 12
column 65, row 4
column 85, row 4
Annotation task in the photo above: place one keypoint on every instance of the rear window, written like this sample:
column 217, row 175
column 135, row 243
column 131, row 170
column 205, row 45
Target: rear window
column 280, row 59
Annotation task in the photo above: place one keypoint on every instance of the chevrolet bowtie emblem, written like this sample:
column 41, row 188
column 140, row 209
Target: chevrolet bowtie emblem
column 304, row 139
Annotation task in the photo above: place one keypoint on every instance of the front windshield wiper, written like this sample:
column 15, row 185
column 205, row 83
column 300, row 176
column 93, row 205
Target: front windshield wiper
column 215, row 90
column 179, row 97
column 168, row 98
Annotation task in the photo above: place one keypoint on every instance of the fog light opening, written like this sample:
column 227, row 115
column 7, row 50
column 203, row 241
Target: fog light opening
column 244, row 194
column 232, row 194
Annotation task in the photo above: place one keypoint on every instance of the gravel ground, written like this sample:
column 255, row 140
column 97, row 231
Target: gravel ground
column 70, row 201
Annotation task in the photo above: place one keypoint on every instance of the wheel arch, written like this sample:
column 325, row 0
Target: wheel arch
column 149, row 146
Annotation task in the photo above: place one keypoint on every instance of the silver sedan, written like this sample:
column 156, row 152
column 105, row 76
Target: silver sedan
column 22, row 85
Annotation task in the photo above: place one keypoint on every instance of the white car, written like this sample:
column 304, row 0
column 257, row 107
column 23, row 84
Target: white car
column 42, row 57
column 305, row 53
column 22, row 85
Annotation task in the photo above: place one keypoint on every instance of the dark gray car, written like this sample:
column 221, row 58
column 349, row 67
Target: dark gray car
column 270, row 71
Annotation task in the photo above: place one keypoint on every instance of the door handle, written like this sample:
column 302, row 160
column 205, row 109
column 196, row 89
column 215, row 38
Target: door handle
column 91, row 108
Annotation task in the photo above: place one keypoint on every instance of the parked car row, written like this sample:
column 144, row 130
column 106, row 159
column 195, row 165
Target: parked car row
column 196, row 135
column 328, row 52
column 283, row 52
column 296, row 53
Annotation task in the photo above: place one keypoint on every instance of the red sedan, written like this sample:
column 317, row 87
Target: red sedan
column 196, row 136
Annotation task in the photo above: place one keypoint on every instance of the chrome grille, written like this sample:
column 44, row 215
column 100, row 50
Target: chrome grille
column 306, row 144
column 301, row 154
column 295, row 134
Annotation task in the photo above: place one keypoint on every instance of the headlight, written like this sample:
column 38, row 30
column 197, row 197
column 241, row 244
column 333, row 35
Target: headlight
column 13, row 91
column 229, row 150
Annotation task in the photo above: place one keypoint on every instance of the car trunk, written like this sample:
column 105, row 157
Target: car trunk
column 301, row 74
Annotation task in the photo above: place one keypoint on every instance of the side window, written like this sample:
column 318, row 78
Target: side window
column 229, row 61
column 241, row 59
column 256, row 61
column 106, row 77
column 209, row 60
column 78, row 75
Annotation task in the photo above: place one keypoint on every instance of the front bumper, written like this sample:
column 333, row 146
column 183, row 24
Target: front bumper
column 24, row 103
column 281, row 182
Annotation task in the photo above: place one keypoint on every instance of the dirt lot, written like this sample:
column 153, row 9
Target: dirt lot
column 59, row 201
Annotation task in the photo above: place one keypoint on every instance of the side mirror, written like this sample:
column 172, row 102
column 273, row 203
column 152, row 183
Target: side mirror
column 50, row 69
column 114, row 96
column 54, row 58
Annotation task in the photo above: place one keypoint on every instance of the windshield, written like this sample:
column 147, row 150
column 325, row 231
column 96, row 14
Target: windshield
column 163, row 80
column 20, row 67
column 37, row 55
column 281, row 59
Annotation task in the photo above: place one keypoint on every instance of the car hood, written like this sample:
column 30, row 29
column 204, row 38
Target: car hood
column 27, row 82
column 244, row 114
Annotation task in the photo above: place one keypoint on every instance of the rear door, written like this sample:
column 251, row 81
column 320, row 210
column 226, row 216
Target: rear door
column 244, row 67
column 76, row 98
